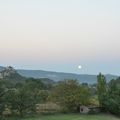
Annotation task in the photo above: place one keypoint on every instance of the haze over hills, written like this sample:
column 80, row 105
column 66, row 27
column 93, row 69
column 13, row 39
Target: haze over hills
column 57, row 76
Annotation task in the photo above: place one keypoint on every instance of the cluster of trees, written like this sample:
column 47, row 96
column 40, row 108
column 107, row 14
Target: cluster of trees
column 70, row 95
column 109, row 94
column 21, row 98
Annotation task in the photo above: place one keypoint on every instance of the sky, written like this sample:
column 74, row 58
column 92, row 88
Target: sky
column 60, row 35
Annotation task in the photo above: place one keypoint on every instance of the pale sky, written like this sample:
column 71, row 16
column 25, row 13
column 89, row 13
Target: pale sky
column 59, row 35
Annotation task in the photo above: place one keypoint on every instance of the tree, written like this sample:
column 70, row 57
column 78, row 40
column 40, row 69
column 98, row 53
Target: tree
column 112, row 103
column 38, row 90
column 109, row 95
column 101, row 89
column 2, row 93
column 20, row 100
column 69, row 94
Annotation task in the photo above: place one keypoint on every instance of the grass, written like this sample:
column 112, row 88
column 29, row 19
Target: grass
column 69, row 117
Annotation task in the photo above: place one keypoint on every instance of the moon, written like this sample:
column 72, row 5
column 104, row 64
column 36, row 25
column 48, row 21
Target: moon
column 79, row 67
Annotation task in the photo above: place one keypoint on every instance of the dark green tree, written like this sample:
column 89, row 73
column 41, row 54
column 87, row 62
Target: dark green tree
column 112, row 103
column 3, row 91
column 101, row 89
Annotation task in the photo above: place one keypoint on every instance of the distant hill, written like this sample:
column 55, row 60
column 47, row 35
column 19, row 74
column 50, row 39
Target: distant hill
column 58, row 76
column 9, row 74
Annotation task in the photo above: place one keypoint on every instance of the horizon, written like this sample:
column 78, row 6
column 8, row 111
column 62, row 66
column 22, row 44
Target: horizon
column 56, row 71
column 61, row 35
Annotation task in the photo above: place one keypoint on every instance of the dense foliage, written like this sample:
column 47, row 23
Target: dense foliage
column 2, row 104
column 109, row 94
column 70, row 94
column 21, row 98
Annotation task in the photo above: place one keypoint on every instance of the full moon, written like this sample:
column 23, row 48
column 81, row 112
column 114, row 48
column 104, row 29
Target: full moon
column 79, row 67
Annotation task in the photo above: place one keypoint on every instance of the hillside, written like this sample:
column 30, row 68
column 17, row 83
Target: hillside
column 57, row 76
column 9, row 74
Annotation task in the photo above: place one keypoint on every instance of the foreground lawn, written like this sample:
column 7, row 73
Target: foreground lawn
column 70, row 117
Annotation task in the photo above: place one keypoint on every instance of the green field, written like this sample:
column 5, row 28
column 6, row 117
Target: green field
column 70, row 117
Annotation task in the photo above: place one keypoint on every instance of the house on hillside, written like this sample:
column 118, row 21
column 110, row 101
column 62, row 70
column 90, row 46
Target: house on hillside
column 89, row 109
